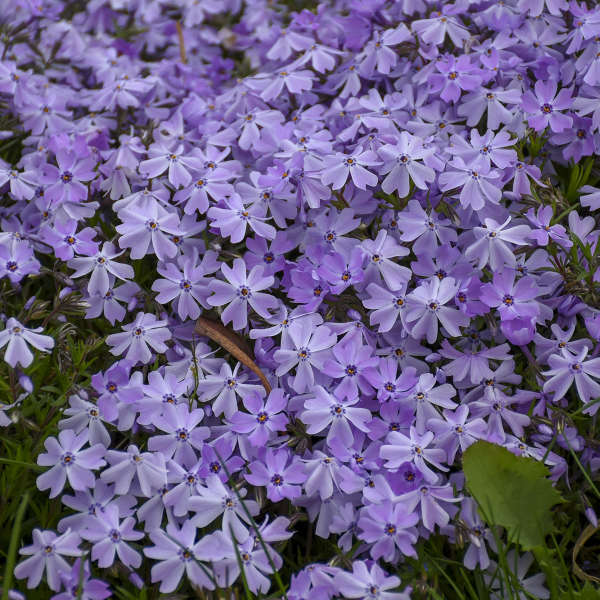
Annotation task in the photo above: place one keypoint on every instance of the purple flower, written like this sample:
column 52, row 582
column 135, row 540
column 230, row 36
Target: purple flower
column 145, row 331
column 110, row 535
column 265, row 418
column 389, row 527
column 17, row 261
column 545, row 106
column 175, row 161
column 455, row 74
column 477, row 183
column 185, row 284
column 566, row 368
column 115, row 387
column 365, row 582
column 337, row 168
column 241, row 290
column 46, row 554
column 69, row 462
column 66, row 242
column 79, row 586
column 543, row 231
column 147, row 468
column 183, row 435
column 144, row 230
column 401, row 449
column 427, row 308
column 310, row 349
column 326, row 411
column 387, row 382
column 65, row 182
column 100, row 265
column 179, row 553
column 341, row 272
column 233, row 220
column 280, row 471
column 225, row 388
column 351, row 363
column 512, row 299
column 215, row 499
column 17, row 337
column 402, row 163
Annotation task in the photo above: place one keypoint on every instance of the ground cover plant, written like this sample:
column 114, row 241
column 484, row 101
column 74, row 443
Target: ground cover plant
column 299, row 300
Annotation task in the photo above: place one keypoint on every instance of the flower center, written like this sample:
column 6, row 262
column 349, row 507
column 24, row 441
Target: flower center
column 277, row 479
column 67, row 459
column 67, row 177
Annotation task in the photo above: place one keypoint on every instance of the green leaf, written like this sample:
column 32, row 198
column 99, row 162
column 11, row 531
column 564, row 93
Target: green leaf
column 512, row 491
column 589, row 592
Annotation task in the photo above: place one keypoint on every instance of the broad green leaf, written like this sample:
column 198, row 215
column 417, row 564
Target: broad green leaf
column 589, row 592
column 511, row 491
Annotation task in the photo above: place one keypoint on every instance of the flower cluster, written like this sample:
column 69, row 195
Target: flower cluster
column 363, row 198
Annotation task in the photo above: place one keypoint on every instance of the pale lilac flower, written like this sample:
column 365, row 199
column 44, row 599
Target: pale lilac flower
column 426, row 308
column 239, row 291
column 179, row 553
column 310, row 349
column 214, row 499
column 185, row 283
column 400, row 449
column 144, row 469
column 280, row 472
column 46, row 554
column 146, row 231
column 545, row 106
column 402, row 165
column 183, row 435
column 69, row 462
column 389, row 527
column 326, row 411
column 381, row 251
column 175, row 161
column 372, row 583
column 478, row 183
column 264, row 419
column 110, row 535
column 566, row 368
column 100, row 265
column 492, row 244
column 145, row 331
column 18, row 337
column 225, row 388
column 338, row 167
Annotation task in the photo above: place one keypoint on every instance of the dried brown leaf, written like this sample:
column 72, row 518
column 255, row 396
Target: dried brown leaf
column 233, row 343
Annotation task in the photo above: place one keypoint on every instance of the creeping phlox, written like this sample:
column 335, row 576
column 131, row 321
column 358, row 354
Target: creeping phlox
column 365, row 195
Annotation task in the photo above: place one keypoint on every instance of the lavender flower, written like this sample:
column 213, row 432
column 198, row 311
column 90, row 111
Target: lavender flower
column 241, row 290
column 138, row 337
column 17, row 337
column 46, row 555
